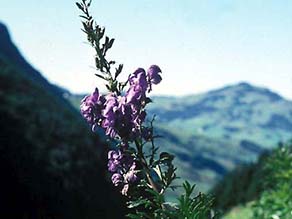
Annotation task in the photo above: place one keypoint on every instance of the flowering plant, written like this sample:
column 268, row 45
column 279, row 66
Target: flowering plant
column 140, row 171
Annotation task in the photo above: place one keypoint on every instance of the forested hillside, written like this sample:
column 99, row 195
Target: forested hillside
column 258, row 191
column 52, row 165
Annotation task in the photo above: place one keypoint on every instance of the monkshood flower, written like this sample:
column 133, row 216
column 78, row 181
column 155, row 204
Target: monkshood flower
column 123, row 167
column 91, row 107
column 153, row 75
column 138, row 86
column 131, row 176
column 114, row 160
column 125, row 190
column 122, row 116
column 137, row 170
column 139, row 78
column 109, row 114
column 117, row 179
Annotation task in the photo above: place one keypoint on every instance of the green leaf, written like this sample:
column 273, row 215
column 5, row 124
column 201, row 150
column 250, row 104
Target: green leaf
column 164, row 156
column 110, row 44
column 139, row 202
column 79, row 6
column 148, row 100
column 118, row 70
column 100, row 76
column 89, row 3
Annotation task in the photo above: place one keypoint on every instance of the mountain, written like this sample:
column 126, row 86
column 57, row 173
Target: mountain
column 238, row 112
column 213, row 132
column 10, row 52
column 52, row 165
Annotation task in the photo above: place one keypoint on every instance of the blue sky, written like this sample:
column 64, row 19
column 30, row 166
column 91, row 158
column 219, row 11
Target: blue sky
column 199, row 45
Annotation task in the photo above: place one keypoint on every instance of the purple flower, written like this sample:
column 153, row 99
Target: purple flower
column 115, row 155
column 125, row 189
column 111, row 105
column 139, row 78
column 138, row 86
column 133, row 94
column 114, row 160
column 117, row 179
column 109, row 114
column 112, row 165
column 124, row 123
column 153, row 74
column 123, row 167
column 122, row 116
column 131, row 176
column 139, row 118
column 91, row 107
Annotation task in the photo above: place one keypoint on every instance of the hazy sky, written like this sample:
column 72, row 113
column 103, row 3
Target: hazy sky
column 199, row 45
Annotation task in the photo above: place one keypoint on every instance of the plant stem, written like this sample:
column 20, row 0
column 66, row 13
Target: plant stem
column 147, row 170
column 145, row 165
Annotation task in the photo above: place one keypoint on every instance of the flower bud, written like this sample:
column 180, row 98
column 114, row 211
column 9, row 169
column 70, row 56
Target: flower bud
column 153, row 74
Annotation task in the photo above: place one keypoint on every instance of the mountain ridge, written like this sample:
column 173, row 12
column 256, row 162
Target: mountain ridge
column 52, row 165
column 10, row 52
column 211, row 132
column 226, row 126
column 220, row 129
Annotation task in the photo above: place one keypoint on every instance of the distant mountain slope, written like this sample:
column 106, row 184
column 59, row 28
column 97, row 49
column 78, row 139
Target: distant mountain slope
column 213, row 132
column 219, row 129
column 52, row 165
column 236, row 112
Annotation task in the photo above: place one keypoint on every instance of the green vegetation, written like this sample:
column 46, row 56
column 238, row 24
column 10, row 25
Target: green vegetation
column 244, row 212
column 52, row 166
column 261, row 190
column 242, row 185
column 276, row 200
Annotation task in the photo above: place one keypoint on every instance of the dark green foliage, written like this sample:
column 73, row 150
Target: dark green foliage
column 239, row 186
column 198, row 207
column 188, row 206
column 276, row 199
column 101, row 44
column 267, row 184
